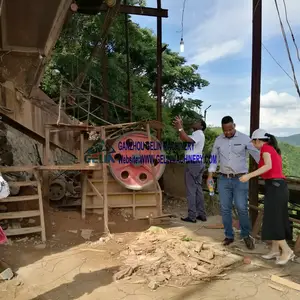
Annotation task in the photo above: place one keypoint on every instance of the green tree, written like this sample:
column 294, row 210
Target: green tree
column 285, row 165
column 74, row 48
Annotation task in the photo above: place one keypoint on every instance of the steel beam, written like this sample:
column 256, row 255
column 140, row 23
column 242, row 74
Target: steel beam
column 255, row 95
column 127, row 9
column 159, row 69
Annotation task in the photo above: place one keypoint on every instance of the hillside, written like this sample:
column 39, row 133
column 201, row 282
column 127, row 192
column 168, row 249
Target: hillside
column 291, row 159
column 292, row 139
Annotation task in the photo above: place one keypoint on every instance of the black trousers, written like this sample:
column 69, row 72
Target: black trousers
column 276, row 224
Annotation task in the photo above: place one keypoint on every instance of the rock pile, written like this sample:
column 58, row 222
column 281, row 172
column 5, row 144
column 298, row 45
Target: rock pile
column 159, row 257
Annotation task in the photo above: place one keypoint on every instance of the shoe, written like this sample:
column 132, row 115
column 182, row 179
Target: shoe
column 203, row 219
column 188, row 219
column 249, row 241
column 282, row 262
column 227, row 241
column 271, row 255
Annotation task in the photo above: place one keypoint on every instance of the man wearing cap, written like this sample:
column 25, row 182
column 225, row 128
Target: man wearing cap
column 194, row 169
column 230, row 149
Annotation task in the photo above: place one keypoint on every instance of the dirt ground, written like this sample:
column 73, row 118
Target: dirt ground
column 77, row 262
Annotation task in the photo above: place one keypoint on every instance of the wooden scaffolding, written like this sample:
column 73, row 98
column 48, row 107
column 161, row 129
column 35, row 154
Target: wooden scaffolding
column 20, row 214
column 100, row 191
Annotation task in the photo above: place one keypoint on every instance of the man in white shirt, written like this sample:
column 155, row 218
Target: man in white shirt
column 194, row 169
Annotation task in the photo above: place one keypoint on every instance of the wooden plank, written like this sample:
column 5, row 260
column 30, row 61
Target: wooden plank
column 214, row 226
column 134, row 204
column 255, row 207
column 75, row 167
column 257, row 224
column 95, row 190
column 288, row 283
column 22, row 183
column 17, row 169
column 261, row 209
column 83, row 194
column 104, row 176
column 123, row 193
column 101, row 181
column 156, row 184
column 46, row 161
column 120, row 206
column 19, row 198
column 275, row 287
column 41, row 207
column 294, row 220
column 74, row 127
column 3, row 25
column 19, row 214
column 297, row 245
column 57, row 26
column 81, row 156
column 21, row 231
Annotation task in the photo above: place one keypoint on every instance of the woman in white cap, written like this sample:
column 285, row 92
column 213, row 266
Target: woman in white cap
column 276, row 226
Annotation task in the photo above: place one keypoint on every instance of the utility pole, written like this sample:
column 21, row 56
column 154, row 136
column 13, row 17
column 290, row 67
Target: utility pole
column 205, row 112
column 159, row 69
column 255, row 96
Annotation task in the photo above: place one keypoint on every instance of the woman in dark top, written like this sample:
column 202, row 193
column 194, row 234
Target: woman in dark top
column 276, row 226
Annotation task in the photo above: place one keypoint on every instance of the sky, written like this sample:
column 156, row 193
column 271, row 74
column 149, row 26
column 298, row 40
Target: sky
column 218, row 38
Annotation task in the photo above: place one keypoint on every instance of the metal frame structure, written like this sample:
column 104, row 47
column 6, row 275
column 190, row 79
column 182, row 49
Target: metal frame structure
column 159, row 13
column 255, row 96
column 107, row 132
column 20, row 61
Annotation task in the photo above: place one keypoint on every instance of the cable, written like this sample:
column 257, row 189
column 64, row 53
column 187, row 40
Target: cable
column 287, row 48
column 182, row 16
column 277, row 62
column 268, row 51
column 291, row 31
column 255, row 9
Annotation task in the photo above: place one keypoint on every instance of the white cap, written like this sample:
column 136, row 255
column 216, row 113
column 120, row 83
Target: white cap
column 259, row 134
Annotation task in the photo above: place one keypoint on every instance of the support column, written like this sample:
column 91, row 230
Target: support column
column 255, row 96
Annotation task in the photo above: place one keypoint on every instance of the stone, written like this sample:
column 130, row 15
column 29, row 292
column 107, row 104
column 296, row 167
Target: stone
column 40, row 246
column 153, row 285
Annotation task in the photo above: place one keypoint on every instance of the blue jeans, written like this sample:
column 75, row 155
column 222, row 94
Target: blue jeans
column 231, row 190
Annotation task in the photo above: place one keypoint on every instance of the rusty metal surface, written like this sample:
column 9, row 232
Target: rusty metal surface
column 28, row 23
column 126, row 9
column 20, row 68
column 29, row 31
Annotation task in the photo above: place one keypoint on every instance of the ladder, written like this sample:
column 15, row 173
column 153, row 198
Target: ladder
column 10, row 215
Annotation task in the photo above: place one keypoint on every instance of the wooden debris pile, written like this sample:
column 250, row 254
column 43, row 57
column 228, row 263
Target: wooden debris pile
column 162, row 258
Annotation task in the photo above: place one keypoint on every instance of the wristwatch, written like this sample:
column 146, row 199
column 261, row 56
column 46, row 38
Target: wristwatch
column 180, row 129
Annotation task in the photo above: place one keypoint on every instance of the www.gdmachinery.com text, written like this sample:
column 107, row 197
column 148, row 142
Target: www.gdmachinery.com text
column 162, row 159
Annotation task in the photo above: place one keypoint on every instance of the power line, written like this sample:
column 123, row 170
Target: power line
column 276, row 61
column 291, row 31
column 182, row 16
column 268, row 51
column 287, row 48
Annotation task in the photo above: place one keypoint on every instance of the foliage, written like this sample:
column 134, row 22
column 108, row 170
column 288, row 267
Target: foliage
column 285, row 165
column 77, row 41
column 292, row 139
column 290, row 159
